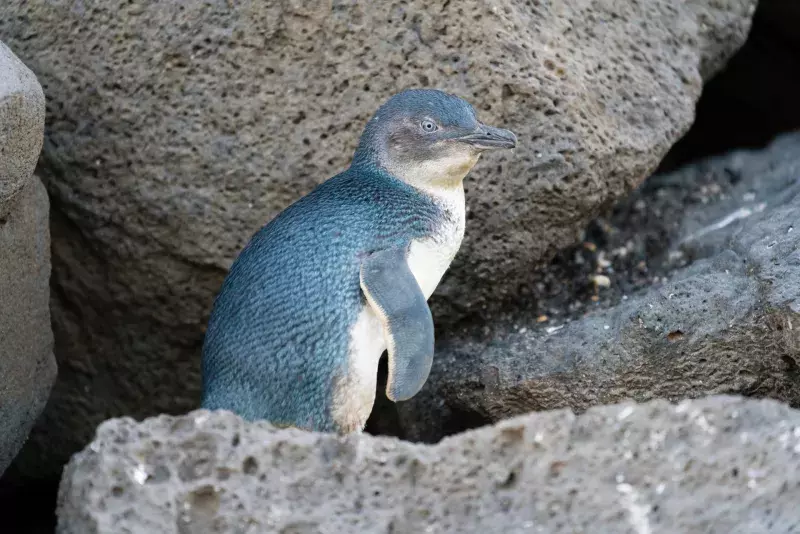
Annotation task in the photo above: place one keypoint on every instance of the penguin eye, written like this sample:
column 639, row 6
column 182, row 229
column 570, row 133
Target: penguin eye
column 428, row 126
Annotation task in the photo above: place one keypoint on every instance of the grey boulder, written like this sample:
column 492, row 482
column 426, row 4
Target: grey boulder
column 715, row 465
column 27, row 365
column 177, row 129
column 727, row 323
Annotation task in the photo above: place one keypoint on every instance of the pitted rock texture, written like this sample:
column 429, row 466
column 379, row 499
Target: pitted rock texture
column 715, row 465
column 21, row 126
column 727, row 323
column 177, row 129
column 27, row 364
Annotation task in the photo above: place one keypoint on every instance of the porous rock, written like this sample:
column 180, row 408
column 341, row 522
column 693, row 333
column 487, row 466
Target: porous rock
column 715, row 465
column 177, row 129
column 727, row 323
column 21, row 126
column 27, row 364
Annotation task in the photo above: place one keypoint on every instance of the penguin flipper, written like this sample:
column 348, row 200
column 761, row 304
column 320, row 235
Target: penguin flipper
column 394, row 294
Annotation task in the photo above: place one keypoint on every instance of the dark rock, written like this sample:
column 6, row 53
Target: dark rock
column 27, row 365
column 715, row 465
column 727, row 323
column 175, row 130
column 754, row 97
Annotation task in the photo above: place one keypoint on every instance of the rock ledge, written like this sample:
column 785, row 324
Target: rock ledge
column 718, row 464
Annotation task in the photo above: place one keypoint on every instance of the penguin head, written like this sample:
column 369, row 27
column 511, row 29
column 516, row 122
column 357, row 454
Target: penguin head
column 428, row 138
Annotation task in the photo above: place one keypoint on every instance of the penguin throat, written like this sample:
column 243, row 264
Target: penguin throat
column 446, row 172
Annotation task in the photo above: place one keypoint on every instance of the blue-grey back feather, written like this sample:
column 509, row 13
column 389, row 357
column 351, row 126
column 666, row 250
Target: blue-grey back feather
column 279, row 329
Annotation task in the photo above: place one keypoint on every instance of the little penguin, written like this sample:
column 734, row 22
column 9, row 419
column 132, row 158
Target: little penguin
column 317, row 295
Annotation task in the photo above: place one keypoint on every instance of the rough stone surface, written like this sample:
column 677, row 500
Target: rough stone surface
column 27, row 364
column 715, row 465
column 727, row 323
column 21, row 126
column 177, row 129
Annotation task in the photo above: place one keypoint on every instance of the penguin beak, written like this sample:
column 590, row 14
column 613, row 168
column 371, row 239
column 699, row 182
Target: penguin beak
column 490, row 138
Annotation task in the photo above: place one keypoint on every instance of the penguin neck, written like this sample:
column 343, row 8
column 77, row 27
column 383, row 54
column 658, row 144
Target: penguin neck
column 442, row 178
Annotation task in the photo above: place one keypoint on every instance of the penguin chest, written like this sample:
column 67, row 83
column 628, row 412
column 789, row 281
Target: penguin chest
column 430, row 258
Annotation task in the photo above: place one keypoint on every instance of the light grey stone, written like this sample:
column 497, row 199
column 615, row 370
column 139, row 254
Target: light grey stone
column 714, row 465
column 27, row 365
column 21, row 126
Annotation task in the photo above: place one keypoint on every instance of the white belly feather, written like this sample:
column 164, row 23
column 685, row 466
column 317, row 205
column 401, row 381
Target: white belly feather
column 428, row 260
